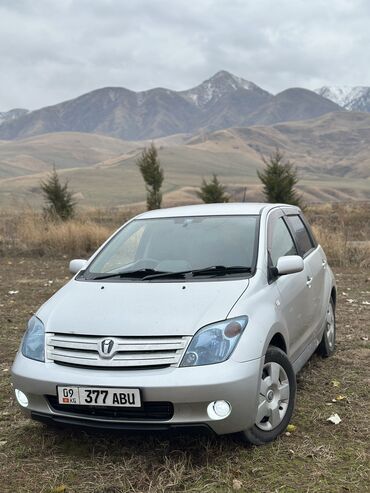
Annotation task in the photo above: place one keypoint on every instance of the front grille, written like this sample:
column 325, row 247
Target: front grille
column 125, row 352
column 150, row 411
column 114, row 368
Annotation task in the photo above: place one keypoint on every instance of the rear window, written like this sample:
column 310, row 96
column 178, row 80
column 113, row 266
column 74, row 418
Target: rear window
column 303, row 239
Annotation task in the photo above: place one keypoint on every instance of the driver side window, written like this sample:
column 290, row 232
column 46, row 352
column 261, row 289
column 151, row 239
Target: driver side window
column 281, row 242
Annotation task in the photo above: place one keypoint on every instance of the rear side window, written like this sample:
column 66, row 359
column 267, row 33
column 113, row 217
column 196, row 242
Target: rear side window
column 304, row 241
column 281, row 242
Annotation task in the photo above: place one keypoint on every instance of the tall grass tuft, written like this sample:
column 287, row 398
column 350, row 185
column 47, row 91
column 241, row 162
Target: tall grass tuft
column 343, row 230
column 32, row 234
column 341, row 251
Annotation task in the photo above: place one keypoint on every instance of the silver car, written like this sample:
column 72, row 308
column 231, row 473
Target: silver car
column 191, row 316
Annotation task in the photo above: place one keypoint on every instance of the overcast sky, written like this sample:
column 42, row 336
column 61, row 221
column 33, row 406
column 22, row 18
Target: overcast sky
column 53, row 50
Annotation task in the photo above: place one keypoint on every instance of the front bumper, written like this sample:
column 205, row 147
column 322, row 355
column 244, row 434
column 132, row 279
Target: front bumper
column 190, row 390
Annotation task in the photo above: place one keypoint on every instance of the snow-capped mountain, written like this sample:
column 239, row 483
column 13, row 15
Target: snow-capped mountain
column 222, row 83
column 6, row 116
column 221, row 101
column 355, row 98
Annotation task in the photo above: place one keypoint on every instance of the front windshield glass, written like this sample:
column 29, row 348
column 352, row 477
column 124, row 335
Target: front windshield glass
column 179, row 244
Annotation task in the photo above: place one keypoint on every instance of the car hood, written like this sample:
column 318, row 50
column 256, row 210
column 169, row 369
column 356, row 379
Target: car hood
column 139, row 308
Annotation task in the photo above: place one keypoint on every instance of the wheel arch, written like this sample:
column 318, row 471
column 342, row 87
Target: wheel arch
column 278, row 341
column 333, row 295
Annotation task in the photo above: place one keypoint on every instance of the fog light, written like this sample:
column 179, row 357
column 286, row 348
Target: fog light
column 21, row 398
column 219, row 409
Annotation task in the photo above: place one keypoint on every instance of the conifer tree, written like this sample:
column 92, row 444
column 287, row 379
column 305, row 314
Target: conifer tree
column 212, row 192
column 279, row 178
column 59, row 203
column 152, row 174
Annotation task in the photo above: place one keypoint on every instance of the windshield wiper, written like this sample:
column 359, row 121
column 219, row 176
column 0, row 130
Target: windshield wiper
column 139, row 274
column 214, row 270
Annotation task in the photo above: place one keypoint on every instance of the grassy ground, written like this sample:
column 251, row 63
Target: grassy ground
column 317, row 457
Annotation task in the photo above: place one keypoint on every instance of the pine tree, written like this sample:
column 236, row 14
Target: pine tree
column 59, row 201
column 152, row 174
column 212, row 192
column 279, row 178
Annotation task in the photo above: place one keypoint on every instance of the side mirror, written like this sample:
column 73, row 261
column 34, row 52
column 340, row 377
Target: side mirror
column 289, row 264
column 76, row 265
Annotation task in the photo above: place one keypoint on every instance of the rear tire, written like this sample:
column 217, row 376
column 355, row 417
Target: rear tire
column 276, row 398
column 327, row 345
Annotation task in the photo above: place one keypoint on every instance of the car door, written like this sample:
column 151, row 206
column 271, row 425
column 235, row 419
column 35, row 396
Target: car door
column 315, row 259
column 293, row 289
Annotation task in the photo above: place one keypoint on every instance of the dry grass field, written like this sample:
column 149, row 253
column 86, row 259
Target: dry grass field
column 342, row 229
column 316, row 456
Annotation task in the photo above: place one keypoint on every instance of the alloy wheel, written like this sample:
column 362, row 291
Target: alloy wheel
column 330, row 327
column 273, row 398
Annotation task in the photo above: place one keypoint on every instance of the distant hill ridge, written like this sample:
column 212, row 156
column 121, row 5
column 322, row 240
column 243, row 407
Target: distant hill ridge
column 222, row 101
column 332, row 155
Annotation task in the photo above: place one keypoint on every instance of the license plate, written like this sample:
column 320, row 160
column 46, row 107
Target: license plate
column 99, row 396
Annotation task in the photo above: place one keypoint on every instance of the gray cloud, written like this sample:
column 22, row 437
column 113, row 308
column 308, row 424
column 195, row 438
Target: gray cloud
column 54, row 50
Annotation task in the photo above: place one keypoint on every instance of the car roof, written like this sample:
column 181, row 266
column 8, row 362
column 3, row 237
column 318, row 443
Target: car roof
column 234, row 208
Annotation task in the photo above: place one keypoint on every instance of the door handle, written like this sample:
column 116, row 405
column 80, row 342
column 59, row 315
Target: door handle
column 309, row 281
column 323, row 263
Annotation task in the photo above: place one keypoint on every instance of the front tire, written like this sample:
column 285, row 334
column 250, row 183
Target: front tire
column 276, row 398
column 327, row 345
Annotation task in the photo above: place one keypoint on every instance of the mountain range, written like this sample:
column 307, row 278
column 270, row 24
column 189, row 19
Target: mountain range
column 350, row 98
column 7, row 116
column 220, row 102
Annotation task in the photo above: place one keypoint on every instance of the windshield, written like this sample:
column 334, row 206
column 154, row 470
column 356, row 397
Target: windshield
column 153, row 248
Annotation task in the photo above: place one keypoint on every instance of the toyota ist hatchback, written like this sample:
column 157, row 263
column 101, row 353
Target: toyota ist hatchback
column 191, row 316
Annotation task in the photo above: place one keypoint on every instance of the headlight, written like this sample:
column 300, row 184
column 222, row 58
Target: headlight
column 33, row 344
column 214, row 343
